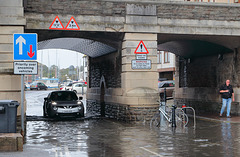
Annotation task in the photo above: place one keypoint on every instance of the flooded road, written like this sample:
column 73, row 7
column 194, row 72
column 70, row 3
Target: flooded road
column 104, row 137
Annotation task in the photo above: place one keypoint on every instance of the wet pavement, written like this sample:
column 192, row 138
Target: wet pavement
column 100, row 137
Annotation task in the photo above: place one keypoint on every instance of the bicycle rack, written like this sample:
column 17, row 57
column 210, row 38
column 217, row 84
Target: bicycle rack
column 194, row 115
column 163, row 99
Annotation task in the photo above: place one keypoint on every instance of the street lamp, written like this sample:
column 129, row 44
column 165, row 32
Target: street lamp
column 84, row 59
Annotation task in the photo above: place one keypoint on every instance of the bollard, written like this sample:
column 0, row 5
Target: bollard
column 184, row 108
column 165, row 95
column 173, row 116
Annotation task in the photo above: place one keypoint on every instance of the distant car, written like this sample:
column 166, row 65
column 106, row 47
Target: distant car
column 67, row 87
column 63, row 103
column 70, row 86
column 161, row 79
column 169, row 85
column 38, row 86
column 79, row 88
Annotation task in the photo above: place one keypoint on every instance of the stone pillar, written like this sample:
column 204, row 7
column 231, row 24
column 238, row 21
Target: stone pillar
column 129, row 94
column 134, row 96
column 139, row 86
column 12, row 21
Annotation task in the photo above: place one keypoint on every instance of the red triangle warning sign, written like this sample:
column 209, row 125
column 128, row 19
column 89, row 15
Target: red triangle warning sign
column 72, row 25
column 56, row 24
column 141, row 48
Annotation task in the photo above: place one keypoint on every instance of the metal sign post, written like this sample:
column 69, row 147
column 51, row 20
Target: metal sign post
column 24, row 48
column 28, row 68
column 22, row 105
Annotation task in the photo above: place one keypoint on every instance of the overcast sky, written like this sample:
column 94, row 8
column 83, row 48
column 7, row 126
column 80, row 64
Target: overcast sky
column 59, row 57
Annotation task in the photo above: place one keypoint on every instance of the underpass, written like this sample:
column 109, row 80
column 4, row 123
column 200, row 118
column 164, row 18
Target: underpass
column 97, row 136
column 123, row 92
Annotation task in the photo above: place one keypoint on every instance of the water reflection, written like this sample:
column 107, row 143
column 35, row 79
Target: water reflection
column 227, row 140
column 104, row 137
column 59, row 138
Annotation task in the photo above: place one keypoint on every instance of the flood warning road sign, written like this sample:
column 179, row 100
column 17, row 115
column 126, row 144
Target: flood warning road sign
column 141, row 48
column 72, row 25
column 56, row 24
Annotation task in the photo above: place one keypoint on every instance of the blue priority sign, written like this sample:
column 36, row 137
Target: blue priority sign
column 25, row 46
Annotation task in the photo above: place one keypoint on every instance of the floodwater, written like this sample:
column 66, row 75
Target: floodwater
column 110, row 138
column 102, row 137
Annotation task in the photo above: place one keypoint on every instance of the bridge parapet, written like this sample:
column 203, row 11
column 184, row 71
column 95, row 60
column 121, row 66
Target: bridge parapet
column 143, row 16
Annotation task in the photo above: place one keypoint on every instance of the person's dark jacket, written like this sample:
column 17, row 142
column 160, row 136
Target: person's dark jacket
column 226, row 95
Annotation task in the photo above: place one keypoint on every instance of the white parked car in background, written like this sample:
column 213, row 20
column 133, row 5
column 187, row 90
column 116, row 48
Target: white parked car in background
column 79, row 88
column 67, row 87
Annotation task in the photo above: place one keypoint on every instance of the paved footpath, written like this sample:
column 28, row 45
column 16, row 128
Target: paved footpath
column 217, row 118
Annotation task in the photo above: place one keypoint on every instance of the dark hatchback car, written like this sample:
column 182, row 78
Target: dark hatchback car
column 38, row 86
column 169, row 85
column 63, row 103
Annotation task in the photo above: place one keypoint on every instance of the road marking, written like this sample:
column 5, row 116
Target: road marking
column 151, row 152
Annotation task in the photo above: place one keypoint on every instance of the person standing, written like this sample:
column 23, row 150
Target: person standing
column 227, row 93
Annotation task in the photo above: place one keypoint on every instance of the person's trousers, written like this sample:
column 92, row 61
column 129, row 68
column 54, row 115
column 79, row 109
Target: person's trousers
column 226, row 102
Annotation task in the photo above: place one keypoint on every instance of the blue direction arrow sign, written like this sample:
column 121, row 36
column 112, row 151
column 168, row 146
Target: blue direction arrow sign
column 25, row 46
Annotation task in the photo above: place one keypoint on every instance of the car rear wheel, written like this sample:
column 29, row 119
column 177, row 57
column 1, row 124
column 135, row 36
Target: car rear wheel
column 44, row 112
column 82, row 113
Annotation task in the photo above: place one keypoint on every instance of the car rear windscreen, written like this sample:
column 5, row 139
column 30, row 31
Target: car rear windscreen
column 64, row 96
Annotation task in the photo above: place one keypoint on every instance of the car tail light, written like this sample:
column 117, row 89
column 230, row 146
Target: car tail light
column 61, row 88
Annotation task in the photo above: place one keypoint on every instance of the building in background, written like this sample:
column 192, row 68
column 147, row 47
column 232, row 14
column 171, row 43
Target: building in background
column 84, row 71
column 166, row 65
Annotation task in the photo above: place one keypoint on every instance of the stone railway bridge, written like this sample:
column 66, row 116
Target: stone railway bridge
column 204, row 36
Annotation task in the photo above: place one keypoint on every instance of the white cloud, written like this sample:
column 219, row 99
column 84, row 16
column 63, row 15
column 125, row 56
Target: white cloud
column 60, row 57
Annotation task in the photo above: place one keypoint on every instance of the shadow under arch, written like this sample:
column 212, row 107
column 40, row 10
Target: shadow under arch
column 193, row 48
column 88, row 47
column 197, row 62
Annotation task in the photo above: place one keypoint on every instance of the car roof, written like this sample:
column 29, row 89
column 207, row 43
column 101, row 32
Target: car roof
column 79, row 83
column 37, row 82
column 63, row 91
column 168, row 81
column 160, row 84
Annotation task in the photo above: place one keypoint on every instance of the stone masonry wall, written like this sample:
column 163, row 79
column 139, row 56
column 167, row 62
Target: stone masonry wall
column 200, row 12
column 198, row 72
column 107, row 66
column 76, row 7
column 123, row 112
column 168, row 10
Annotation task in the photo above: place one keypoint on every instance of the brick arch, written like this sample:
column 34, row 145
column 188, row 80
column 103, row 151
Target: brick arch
column 88, row 47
